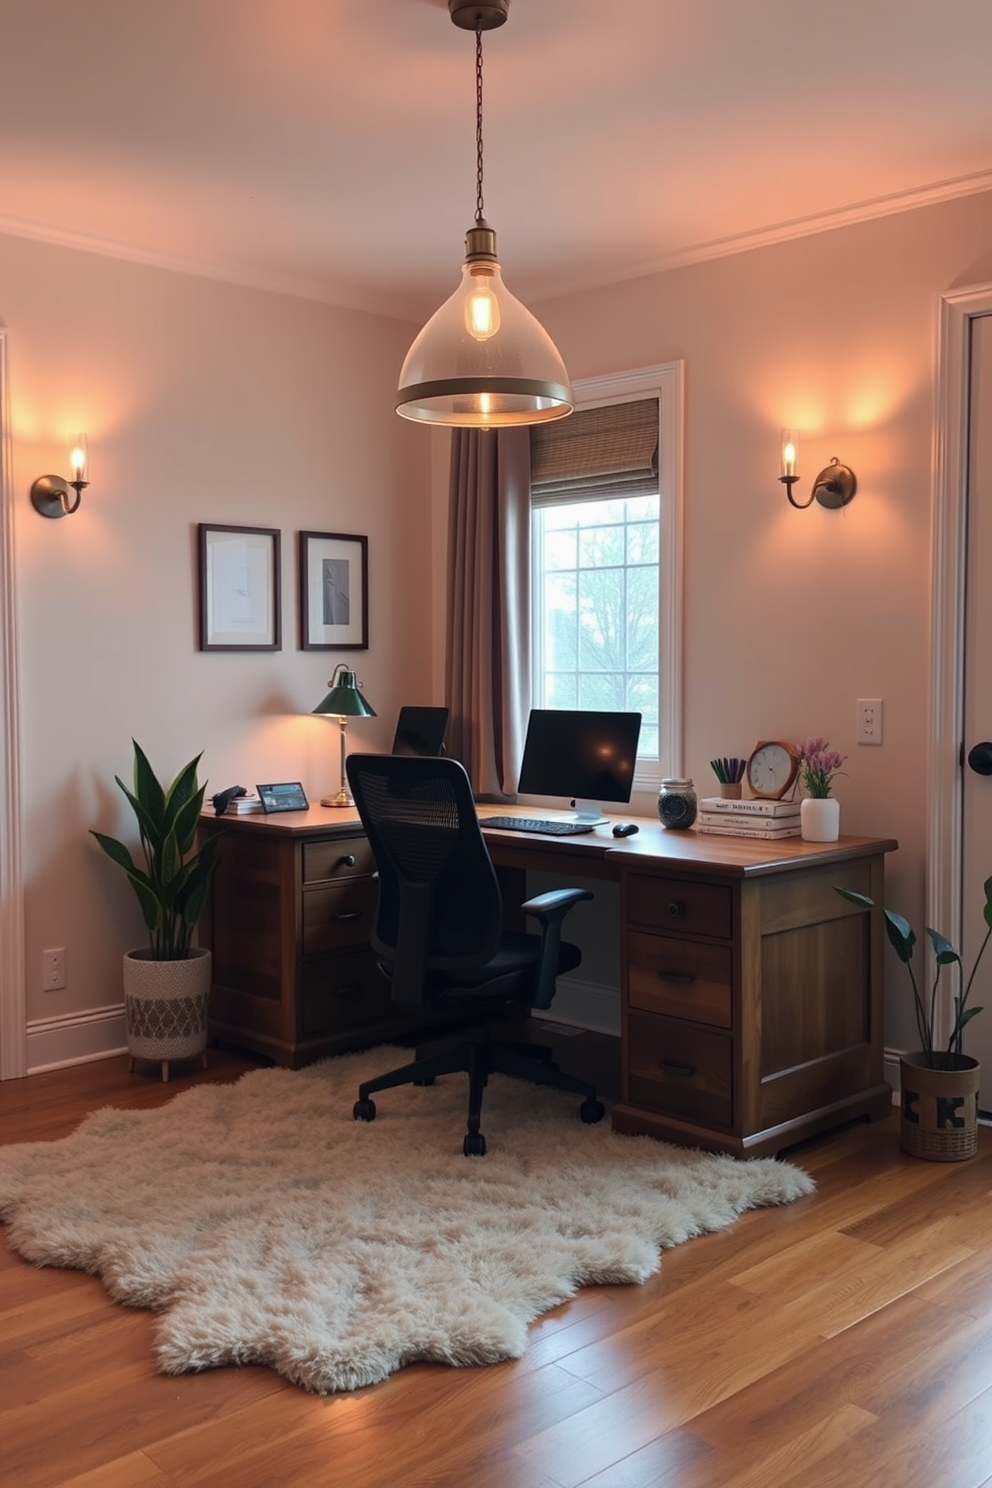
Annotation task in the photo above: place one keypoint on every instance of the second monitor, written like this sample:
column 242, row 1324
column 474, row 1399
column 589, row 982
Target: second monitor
column 580, row 754
column 420, row 731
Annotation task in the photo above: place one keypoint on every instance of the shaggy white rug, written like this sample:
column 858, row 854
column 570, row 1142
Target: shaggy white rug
column 267, row 1226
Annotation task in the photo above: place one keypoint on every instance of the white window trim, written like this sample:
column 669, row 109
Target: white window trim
column 664, row 382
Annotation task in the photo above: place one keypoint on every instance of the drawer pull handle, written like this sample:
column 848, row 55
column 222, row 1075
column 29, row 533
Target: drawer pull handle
column 683, row 1071
column 676, row 907
column 348, row 861
column 348, row 915
column 678, row 978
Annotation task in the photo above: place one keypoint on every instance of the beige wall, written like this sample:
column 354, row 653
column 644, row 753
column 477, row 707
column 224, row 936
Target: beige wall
column 207, row 402
column 204, row 402
column 790, row 616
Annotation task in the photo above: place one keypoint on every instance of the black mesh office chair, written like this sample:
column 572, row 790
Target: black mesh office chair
column 439, row 931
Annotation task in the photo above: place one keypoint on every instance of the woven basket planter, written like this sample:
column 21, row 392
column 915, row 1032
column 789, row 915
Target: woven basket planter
column 166, row 1005
column 939, row 1107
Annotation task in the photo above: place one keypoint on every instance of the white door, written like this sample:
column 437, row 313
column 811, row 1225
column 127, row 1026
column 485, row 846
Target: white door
column 977, row 786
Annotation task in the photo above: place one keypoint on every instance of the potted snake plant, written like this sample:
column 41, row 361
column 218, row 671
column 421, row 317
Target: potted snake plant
column 939, row 1083
column 167, row 982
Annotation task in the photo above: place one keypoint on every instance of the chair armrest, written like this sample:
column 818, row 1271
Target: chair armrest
column 551, row 908
column 555, row 904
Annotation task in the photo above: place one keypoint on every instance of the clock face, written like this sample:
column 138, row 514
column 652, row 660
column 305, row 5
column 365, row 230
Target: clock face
column 772, row 769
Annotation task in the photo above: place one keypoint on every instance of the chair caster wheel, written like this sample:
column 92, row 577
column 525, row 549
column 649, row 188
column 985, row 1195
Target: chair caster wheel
column 364, row 1110
column 474, row 1144
column 592, row 1111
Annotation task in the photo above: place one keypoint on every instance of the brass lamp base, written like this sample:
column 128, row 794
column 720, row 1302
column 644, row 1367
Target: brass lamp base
column 341, row 799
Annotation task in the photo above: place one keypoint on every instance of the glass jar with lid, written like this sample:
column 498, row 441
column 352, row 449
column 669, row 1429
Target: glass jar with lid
column 677, row 803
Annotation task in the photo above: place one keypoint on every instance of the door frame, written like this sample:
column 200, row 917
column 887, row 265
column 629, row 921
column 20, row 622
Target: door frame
column 13, row 1005
column 945, row 765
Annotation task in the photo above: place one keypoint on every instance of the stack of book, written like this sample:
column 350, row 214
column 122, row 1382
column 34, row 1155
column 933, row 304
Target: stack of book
column 243, row 805
column 770, row 819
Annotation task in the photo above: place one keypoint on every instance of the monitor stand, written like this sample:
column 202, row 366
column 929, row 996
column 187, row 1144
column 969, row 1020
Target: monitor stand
column 589, row 813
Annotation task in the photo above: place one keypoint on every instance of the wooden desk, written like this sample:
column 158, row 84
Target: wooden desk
column 751, row 993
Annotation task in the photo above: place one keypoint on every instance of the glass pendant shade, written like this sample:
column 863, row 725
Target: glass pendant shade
column 482, row 360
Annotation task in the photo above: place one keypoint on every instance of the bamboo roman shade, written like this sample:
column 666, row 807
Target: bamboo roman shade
column 596, row 453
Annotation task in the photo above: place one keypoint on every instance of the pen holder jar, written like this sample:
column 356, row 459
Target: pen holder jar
column 677, row 803
column 730, row 791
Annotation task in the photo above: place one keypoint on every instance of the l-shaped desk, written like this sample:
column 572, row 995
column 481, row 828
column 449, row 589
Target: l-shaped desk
column 751, row 992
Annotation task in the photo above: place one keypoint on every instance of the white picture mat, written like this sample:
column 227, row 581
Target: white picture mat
column 239, row 589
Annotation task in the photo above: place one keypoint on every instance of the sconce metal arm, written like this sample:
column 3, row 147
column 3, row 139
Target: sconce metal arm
column 50, row 495
column 788, row 482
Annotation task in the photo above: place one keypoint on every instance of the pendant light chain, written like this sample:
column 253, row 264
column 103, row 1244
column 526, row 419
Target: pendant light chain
column 480, row 211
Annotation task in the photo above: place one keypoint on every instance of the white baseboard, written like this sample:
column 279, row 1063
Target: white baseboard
column 890, row 1072
column 75, row 1038
column 585, row 1005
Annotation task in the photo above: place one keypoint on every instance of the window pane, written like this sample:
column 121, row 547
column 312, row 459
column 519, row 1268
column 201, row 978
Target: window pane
column 596, row 618
column 600, row 546
column 560, row 549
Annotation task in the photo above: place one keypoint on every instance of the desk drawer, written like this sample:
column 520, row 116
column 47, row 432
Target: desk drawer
column 343, row 991
column 680, row 904
column 339, row 916
column 678, row 1068
column 680, row 978
column 337, row 858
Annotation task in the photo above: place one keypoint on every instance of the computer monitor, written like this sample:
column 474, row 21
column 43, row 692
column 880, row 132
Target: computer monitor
column 583, row 755
column 420, row 731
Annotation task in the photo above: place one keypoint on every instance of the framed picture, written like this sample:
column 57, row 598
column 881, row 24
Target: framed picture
column 239, row 589
column 334, row 592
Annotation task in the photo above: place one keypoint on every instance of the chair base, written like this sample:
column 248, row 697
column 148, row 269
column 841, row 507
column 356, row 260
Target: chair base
column 479, row 1057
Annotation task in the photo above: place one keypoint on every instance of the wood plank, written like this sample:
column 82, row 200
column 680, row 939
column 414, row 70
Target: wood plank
column 843, row 1339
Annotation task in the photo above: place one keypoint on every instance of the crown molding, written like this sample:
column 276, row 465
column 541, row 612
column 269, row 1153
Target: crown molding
column 325, row 292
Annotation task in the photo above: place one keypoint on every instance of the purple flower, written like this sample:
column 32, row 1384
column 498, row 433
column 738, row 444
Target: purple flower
column 819, row 764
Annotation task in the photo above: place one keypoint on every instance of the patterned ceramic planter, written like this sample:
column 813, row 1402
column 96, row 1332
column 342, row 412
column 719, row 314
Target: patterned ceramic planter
column 166, row 1005
column 939, row 1107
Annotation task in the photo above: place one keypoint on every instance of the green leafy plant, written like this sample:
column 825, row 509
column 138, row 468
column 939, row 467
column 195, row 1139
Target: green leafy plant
column 902, row 938
column 172, row 887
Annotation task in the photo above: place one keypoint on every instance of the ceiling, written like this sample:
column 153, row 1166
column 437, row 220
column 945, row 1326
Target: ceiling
column 327, row 147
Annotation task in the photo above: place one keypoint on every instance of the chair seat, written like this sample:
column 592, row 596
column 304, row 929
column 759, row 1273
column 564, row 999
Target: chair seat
column 507, row 976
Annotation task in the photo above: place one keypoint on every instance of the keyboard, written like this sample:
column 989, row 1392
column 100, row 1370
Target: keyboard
column 554, row 828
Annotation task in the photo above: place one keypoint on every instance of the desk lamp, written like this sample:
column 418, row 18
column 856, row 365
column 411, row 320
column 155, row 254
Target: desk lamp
column 344, row 701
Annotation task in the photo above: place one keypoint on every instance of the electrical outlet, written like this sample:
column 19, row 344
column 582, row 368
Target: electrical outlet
column 53, row 969
column 869, row 721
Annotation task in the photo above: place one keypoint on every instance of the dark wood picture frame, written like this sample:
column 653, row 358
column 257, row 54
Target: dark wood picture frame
column 240, row 588
column 334, row 591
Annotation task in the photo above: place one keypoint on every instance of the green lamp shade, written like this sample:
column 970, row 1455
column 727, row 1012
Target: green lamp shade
column 344, row 699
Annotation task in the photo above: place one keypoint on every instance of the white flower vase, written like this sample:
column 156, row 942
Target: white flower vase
column 819, row 819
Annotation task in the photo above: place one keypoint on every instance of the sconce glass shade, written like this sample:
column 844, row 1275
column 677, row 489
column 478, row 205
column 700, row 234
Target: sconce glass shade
column 482, row 360
column 790, row 451
column 79, row 458
column 344, row 699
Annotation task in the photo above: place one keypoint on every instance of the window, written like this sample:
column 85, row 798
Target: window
column 606, row 546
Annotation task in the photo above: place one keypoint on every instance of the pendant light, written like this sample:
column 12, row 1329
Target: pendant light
column 482, row 360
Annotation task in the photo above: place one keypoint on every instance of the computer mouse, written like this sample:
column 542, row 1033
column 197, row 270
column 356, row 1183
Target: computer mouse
column 625, row 829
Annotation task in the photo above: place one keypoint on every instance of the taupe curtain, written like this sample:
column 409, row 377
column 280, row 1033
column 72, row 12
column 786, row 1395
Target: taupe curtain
column 487, row 672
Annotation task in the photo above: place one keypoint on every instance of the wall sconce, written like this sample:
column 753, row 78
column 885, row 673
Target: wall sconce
column 834, row 486
column 344, row 701
column 50, row 493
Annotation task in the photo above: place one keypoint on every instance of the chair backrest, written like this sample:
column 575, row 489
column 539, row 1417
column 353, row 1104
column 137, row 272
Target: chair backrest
column 440, row 907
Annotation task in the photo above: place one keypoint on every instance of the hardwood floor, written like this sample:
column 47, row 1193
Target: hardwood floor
column 844, row 1340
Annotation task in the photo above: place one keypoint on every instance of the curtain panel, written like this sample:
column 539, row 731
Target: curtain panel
column 487, row 668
